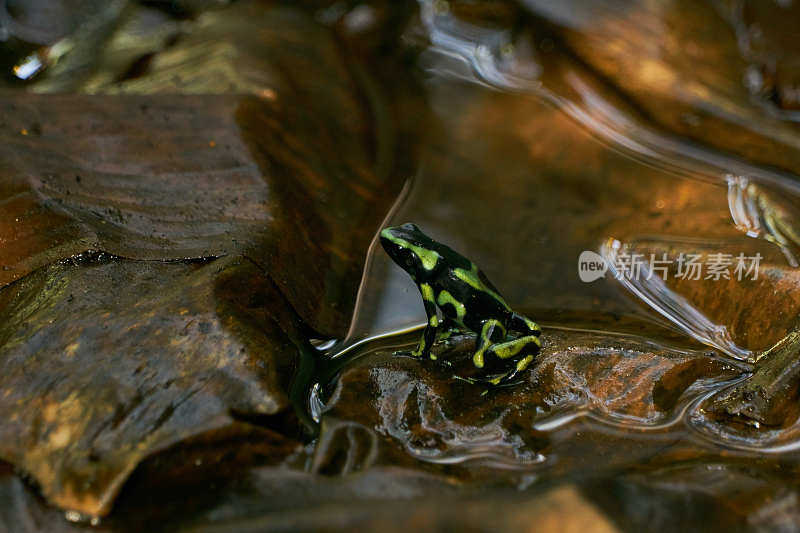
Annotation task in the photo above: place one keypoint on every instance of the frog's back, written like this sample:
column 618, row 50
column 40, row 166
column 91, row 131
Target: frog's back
column 451, row 258
column 483, row 306
column 465, row 283
column 468, row 271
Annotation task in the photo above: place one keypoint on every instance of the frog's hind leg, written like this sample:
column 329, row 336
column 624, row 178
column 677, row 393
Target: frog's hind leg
column 491, row 332
column 525, row 325
column 514, row 355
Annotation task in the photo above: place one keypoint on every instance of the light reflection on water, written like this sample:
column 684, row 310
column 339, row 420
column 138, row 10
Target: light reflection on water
column 759, row 203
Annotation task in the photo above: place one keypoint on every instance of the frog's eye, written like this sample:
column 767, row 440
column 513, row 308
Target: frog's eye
column 409, row 226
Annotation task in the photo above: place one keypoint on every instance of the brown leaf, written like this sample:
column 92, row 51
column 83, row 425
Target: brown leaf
column 106, row 363
column 418, row 408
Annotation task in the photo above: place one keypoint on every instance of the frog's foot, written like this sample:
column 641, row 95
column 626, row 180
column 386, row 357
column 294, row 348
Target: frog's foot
column 423, row 349
column 471, row 381
column 493, row 381
column 509, row 377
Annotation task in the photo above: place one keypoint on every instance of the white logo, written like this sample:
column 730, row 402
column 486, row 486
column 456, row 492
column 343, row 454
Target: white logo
column 591, row 266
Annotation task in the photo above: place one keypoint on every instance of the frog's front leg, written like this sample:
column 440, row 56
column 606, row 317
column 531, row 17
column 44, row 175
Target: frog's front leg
column 429, row 335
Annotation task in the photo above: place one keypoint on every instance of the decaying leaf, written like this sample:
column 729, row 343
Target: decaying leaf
column 106, row 362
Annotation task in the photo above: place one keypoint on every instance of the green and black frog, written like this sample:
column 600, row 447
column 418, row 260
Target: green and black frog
column 467, row 299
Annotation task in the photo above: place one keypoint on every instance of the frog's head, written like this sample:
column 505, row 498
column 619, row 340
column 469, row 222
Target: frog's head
column 409, row 248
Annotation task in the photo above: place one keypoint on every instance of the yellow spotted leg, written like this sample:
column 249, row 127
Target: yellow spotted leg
column 492, row 331
column 528, row 345
column 429, row 335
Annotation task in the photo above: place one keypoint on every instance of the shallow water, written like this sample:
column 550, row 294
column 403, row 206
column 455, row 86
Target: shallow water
column 655, row 138
column 539, row 157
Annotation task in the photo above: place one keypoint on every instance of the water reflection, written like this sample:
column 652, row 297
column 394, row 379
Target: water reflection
column 653, row 291
column 554, row 192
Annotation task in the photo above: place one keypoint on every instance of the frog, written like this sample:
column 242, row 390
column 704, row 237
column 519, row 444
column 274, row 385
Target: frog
column 455, row 288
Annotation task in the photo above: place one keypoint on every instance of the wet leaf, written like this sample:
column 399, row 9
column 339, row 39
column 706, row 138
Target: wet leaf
column 175, row 177
column 288, row 173
column 109, row 360
column 121, row 174
column 57, row 39
column 727, row 494
column 418, row 409
column 680, row 68
column 106, row 363
column 560, row 509
column 767, row 43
